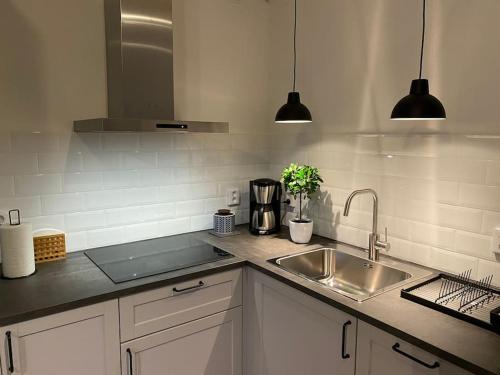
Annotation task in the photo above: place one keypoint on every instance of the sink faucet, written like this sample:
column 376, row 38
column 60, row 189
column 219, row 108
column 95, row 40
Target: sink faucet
column 375, row 244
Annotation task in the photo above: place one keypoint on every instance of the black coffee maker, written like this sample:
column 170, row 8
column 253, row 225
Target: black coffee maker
column 265, row 206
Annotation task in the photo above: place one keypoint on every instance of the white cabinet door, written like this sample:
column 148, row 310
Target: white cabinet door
column 78, row 342
column 207, row 346
column 287, row 332
column 380, row 353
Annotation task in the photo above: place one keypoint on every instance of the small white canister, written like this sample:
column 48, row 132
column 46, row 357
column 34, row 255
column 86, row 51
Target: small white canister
column 224, row 222
column 16, row 246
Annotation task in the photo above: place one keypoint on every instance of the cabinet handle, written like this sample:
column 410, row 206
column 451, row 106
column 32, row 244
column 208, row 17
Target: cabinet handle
column 9, row 351
column 344, row 330
column 395, row 347
column 189, row 288
column 130, row 360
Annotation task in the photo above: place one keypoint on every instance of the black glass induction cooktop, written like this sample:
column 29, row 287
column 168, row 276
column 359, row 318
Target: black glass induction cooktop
column 140, row 259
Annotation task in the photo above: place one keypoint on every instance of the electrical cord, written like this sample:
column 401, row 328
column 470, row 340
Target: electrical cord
column 423, row 40
column 295, row 44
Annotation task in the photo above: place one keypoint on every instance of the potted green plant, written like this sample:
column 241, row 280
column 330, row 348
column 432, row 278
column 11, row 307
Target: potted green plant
column 301, row 181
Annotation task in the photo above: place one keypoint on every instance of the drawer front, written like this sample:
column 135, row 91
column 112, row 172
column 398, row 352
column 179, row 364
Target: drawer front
column 380, row 353
column 159, row 309
column 209, row 346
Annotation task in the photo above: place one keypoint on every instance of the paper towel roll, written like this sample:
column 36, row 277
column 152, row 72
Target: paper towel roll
column 16, row 245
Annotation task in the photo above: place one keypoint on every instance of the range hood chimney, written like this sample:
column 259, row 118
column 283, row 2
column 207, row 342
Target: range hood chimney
column 140, row 72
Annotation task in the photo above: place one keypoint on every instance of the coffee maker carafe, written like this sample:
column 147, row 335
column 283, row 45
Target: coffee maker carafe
column 265, row 197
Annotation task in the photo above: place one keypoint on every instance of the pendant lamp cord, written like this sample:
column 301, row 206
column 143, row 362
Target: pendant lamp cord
column 423, row 39
column 295, row 44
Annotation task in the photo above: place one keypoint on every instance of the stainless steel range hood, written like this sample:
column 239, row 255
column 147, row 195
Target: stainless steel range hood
column 140, row 74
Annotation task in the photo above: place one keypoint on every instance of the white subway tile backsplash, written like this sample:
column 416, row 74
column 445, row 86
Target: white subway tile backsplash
column 121, row 179
column 399, row 248
column 37, row 184
column 486, row 268
column 438, row 194
column 174, row 159
column 120, row 142
column 29, row 206
column 190, row 208
column 155, row 141
column 59, row 162
column 201, row 222
column 82, row 181
column 173, row 193
column 199, row 191
column 188, row 141
column 214, row 158
column 453, row 262
column 97, row 200
column 101, row 161
column 18, row 164
column 338, row 179
column 128, row 215
column 421, row 254
column 491, row 220
column 462, row 170
column 217, row 174
column 480, row 148
column 85, row 221
column 174, row 226
column 188, row 175
column 139, row 196
column 47, row 222
column 480, row 196
column 447, row 192
column 80, row 142
column 214, row 204
column 217, row 141
column 139, row 160
column 473, row 244
column 493, row 173
column 459, row 218
column 433, row 235
column 162, row 211
column 155, row 177
column 105, row 237
column 61, row 203
column 76, row 241
column 143, row 231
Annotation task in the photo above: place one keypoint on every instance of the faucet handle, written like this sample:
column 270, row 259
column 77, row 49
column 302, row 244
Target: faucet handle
column 383, row 244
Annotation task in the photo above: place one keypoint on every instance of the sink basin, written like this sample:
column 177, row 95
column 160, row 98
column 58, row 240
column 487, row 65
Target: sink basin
column 352, row 276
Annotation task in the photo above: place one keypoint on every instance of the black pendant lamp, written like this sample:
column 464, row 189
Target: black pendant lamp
column 419, row 104
column 293, row 112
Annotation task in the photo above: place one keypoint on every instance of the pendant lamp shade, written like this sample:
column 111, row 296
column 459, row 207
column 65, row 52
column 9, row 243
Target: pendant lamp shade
column 293, row 112
column 419, row 104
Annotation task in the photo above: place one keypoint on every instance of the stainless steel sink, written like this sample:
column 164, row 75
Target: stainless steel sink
column 355, row 277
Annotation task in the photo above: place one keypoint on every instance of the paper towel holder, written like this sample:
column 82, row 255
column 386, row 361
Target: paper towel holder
column 15, row 222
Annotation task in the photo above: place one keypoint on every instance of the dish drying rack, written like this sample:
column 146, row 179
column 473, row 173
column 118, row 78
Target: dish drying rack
column 459, row 296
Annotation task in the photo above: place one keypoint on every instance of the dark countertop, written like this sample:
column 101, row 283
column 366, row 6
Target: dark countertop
column 76, row 282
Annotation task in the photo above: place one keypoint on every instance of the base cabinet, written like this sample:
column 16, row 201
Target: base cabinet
column 380, row 353
column 77, row 342
column 208, row 346
column 287, row 332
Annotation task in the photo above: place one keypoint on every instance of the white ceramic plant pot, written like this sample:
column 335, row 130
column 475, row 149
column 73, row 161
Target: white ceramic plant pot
column 300, row 232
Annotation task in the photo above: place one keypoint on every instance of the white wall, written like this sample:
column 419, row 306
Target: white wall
column 439, row 192
column 438, row 181
column 103, row 189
